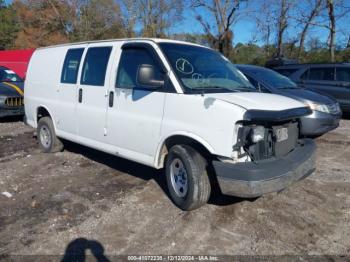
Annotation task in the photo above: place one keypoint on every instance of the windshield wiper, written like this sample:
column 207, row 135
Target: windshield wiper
column 220, row 87
column 289, row 87
column 214, row 87
column 247, row 89
column 239, row 89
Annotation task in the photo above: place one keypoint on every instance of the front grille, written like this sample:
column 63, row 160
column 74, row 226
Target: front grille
column 284, row 147
column 334, row 108
column 14, row 101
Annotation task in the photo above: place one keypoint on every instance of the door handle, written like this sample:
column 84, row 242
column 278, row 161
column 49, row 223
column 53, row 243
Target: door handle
column 111, row 99
column 80, row 98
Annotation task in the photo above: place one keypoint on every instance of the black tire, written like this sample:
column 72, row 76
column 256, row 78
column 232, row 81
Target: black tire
column 198, row 184
column 51, row 143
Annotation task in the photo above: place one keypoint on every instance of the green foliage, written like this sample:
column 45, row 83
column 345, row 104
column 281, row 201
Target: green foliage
column 95, row 20
column 8, row 26
column 248, row 54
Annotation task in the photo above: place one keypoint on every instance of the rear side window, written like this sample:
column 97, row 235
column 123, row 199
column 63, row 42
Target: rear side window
column 95, row 66
column 343, row 74
column 71, row 66
column 325, row 73
column 127, row 70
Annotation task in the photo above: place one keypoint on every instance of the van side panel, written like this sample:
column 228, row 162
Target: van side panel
column 43, row 77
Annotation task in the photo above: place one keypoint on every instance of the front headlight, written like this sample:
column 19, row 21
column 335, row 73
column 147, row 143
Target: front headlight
column 319, row 107
column 258, row 134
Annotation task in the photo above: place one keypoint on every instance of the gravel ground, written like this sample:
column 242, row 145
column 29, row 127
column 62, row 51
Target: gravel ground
column 82, row 198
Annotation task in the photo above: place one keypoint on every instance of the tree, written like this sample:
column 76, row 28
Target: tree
column 332, row 27
column 225, row 14
column 306, row 19
column 282, row 25
column 158, row 16
column 48, row 22
column 273, row 19
column 129, row 17
column 40, row 23
column 95, row 20
column 8, row 25
column 332, row 13
column 264, row 19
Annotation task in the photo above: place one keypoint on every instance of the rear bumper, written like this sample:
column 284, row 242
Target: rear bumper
column 15, row 111
column 250, row 180
column 319, row 123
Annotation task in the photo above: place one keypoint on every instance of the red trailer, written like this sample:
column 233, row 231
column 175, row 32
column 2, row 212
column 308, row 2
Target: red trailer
column 16, row 60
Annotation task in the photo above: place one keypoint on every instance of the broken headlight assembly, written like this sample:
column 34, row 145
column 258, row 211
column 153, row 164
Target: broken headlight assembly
column 254, row 142
column 257, row 134
column 260, row 142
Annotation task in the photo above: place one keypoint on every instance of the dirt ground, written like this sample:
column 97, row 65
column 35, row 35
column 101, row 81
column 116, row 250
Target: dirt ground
column 57, row 202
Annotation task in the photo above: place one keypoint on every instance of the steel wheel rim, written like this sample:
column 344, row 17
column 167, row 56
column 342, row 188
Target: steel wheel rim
column 45, row 136
column 178, row 177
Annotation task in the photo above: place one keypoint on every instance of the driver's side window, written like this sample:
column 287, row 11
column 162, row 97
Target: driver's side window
column 130, row 61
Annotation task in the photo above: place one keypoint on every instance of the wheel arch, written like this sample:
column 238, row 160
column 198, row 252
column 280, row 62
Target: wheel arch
column 181, row 138
column 43, row 111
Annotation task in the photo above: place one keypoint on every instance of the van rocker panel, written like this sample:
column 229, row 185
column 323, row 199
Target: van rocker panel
column 249, row 180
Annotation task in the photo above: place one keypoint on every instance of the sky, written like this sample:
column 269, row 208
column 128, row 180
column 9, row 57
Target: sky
column 245, row 29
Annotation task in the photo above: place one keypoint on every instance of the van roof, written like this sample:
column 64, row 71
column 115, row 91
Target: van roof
column 155, row 40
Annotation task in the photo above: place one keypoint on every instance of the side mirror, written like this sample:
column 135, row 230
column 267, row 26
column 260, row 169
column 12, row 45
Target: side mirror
column 146, row 77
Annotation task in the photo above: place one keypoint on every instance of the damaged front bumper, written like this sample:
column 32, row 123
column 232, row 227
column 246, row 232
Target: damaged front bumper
column 249, row 180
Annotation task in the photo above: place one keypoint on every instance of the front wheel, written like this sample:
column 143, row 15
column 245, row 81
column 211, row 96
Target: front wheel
column 187, row 178
column 48, row 141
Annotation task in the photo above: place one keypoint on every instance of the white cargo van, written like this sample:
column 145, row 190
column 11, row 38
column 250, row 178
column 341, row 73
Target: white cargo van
column 169, row 104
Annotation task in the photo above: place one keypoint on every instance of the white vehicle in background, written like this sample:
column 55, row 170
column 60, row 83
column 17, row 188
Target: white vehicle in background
column 169, row 104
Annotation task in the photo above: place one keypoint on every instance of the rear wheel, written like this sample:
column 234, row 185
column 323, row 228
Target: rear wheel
column 187, row 178
column 48, row 141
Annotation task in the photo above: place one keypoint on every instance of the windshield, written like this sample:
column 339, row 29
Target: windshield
column 204, row 70
column 273, row 78
column 7, row 75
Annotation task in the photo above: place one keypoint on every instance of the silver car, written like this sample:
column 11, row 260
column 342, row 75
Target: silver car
column 327, row 79
column 326, row 112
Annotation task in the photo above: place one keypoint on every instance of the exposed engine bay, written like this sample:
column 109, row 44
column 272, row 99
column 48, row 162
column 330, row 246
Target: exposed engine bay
column 261, row 141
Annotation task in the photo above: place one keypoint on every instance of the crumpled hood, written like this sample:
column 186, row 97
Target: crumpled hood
column 258, row 101
column 11, row 89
